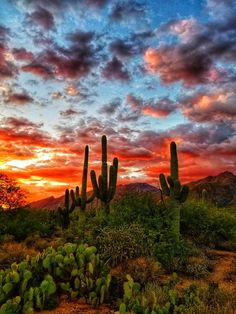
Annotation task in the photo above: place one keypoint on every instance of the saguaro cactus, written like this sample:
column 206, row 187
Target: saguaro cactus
column 102, row 189
column 204, row 195
column 64, row 213
column 82, row 201
column 173, row 189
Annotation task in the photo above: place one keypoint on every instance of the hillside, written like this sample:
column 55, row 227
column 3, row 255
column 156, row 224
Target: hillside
column 221, row 188
column 53, row 202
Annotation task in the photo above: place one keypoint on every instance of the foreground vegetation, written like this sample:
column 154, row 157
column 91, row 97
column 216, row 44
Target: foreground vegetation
column 135, row 254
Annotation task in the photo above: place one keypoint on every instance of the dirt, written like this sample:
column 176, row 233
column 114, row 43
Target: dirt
column 77, row 308
column 220, row 274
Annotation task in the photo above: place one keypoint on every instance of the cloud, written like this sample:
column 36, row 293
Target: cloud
column 22, row 54
column 111, row 108
column 42, row 17
column 163, row 107
column 18, row 130
column 209, row 106
column 68, row 113
column 123, row 10
column 115, row 70
column 19, row 98
column 194, row 58
column 38, row 70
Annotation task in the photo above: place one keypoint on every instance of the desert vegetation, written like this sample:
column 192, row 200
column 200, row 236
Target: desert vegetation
column 143, row 252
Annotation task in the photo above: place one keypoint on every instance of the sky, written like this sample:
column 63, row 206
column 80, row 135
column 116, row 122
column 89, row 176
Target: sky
column 144, row 73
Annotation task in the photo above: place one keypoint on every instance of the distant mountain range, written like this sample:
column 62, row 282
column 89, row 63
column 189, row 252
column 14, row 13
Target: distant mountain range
column 221, row 189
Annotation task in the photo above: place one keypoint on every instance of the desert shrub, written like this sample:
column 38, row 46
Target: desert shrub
column 11, row 252
column 215, row 300
column 208, row 225
column 23, row 222
column 173, row 255
column 142, row 269
column 196, row 267
column 157, row 299
column 119, row 244
column 137, row 208
column 36, row 282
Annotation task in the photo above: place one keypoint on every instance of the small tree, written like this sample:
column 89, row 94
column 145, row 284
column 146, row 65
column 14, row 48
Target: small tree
column 11, row 195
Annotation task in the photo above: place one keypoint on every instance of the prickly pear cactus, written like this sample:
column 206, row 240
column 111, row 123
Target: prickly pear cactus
column 36, row 282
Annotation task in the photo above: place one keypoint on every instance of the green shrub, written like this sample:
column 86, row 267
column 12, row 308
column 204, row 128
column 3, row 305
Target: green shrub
column 119, row 244
column 36, row 282
column 208, row 225
column 173, row 255
column 137, row 208
column 21, row 223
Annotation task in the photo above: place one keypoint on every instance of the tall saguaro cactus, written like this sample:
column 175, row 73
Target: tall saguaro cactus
column 64, row 213
column 76, row 199
column 105, row 188
column 173, row 189
column 82, row 200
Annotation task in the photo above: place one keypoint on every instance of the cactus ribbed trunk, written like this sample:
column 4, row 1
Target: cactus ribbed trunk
column 103, row 189
column 177, row 193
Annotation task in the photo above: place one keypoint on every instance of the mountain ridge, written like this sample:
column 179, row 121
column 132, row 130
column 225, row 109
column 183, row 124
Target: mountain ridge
column 221, row 189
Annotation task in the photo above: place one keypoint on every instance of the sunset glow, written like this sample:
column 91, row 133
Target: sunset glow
column 142, row 72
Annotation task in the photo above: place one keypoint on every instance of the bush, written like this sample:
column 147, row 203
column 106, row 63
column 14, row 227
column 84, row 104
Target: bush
column 37, row 281
column 173, row 255
column 208, row 225
column 142, row 269
column 23, row 222
column 119, row 244
column 137, row 208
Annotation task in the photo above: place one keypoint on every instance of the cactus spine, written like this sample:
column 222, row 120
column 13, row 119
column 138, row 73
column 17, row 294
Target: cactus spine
column 173, row 189
column 82, row 201
column 102, row 189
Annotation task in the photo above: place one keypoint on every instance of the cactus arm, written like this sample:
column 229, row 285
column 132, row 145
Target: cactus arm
column 101, row 188
column 112, row 182
column 77, row 192
column 174, row 169
column 94, row 183
column 170, row 181
column 184, row 194
column 164, row 185
column 84, row 179
column 104, row 166
column 67, row 200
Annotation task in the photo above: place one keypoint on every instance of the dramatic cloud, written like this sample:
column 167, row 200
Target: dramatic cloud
column 42, row 17
column 195, row 58
column 158, row 109
column 115, row 70
column 19, row 98
column 210, row 106
column 38, row 70
column 123, row 10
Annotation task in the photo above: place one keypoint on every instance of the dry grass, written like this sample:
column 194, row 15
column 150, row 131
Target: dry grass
column 11, row 252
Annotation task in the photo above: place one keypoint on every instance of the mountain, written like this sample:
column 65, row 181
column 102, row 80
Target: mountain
column 221, row 188
column 53, row 202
